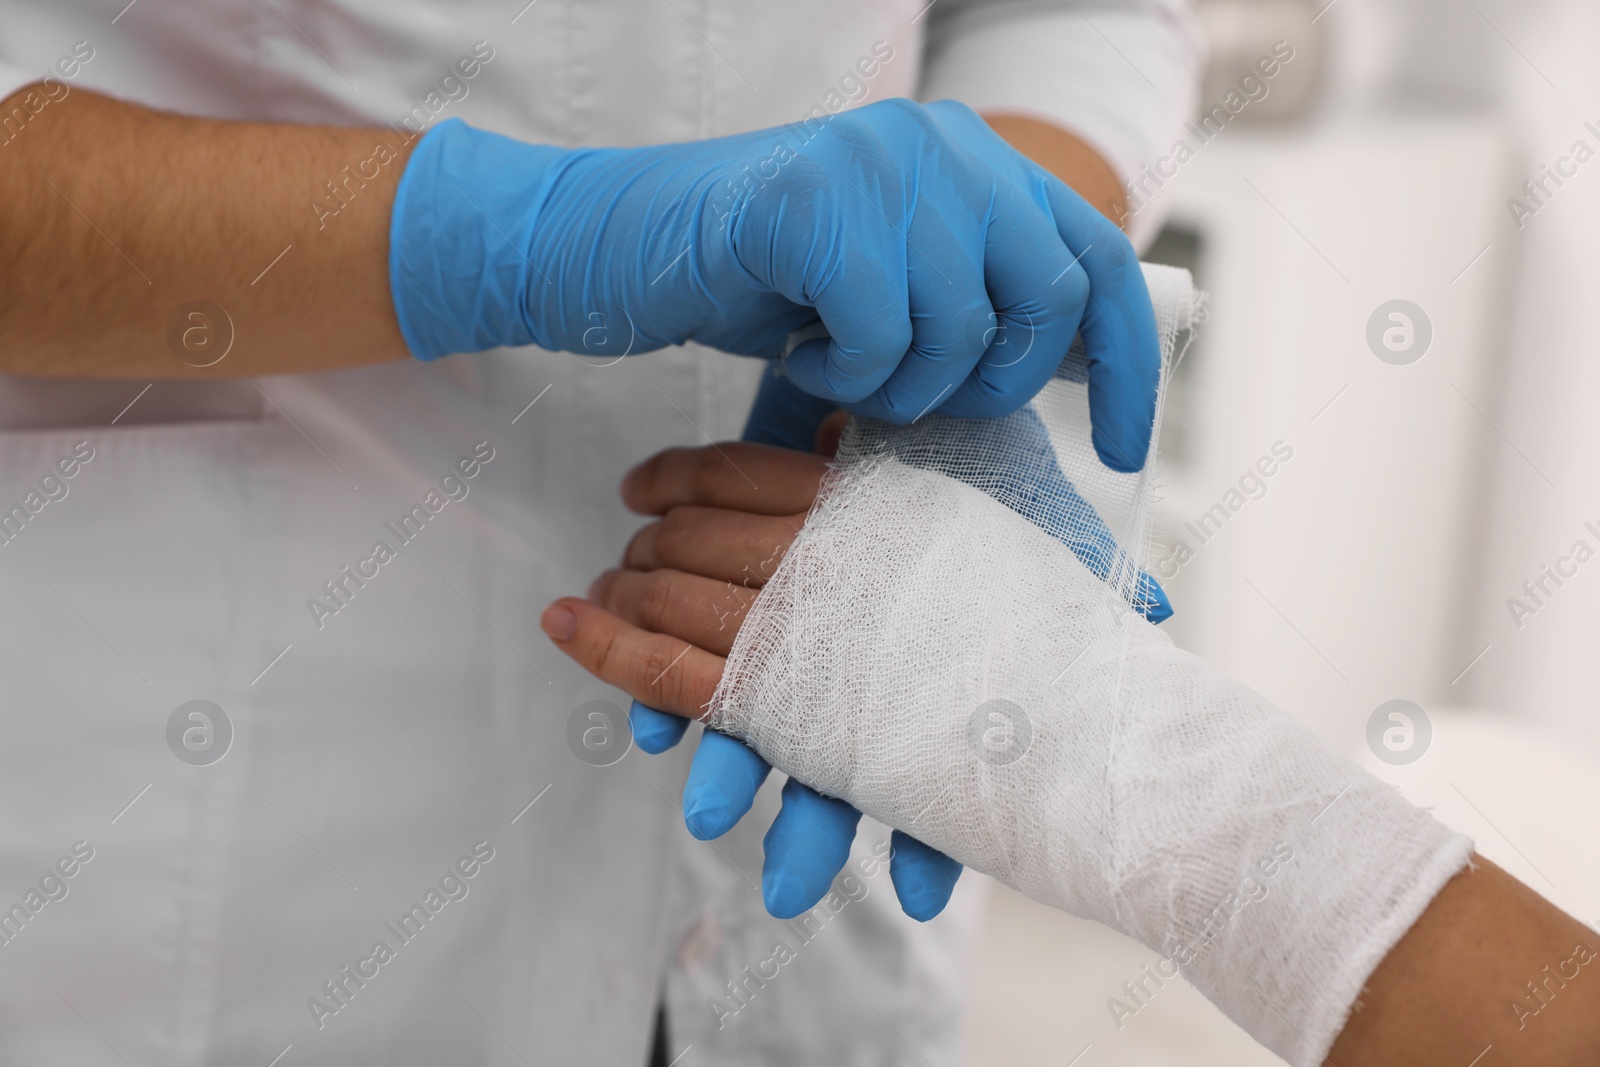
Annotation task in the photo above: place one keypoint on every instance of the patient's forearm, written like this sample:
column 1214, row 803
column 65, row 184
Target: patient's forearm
column 113, row 215
column 1490, row 964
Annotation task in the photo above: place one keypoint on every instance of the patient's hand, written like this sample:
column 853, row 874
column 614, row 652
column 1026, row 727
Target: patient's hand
column 660, row 626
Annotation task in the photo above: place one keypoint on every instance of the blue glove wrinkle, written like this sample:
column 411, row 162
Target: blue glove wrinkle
column 457, row 278
column 1032, row 329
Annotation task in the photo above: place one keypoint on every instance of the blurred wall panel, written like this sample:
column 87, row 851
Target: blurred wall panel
column 1334, row 582
column 1544, row 662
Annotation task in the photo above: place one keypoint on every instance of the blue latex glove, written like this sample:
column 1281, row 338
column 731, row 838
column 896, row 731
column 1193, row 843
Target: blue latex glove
column 910, row 233
column 1118, row 325
column 809, row 841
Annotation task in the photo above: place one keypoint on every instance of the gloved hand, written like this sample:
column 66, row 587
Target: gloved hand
column 1118, row 324
column 927, row 249
column 809, row 841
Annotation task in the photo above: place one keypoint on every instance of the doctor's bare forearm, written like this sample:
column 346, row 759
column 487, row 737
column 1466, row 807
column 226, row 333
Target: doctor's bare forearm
column 113, row 217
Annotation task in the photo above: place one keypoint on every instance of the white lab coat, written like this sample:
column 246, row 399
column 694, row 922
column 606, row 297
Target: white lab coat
column 377, row 745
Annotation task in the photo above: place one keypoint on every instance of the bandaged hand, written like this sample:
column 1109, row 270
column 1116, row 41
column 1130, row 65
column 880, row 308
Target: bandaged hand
column 1037, row 729
column 810, row 839
column 659, row 591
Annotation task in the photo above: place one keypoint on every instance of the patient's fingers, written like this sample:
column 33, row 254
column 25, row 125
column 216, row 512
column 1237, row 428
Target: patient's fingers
column 702, row 611
column 729, row 545
column 664, row 672
column 738, row 475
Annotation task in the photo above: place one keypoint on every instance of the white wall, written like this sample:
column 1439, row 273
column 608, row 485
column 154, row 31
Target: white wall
column 1341, row 587
column 1549, row 669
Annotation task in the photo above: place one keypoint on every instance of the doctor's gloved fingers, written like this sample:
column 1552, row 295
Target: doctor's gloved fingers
column 865, row 310
column 1118, row 330
column 1040, row 292
column 655, row 731
column 759, row 479
column 731, row 546
column 923, row 876
column 702, row 611
column 1151, row 600
column 784, row 415
column 951, row 317
column 660, row 672
column 723, row 781
column 806, row 846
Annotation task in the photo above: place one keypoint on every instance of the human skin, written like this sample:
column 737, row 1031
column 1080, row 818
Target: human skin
column 112, row 215
column 661, row 625
column 1068, row 158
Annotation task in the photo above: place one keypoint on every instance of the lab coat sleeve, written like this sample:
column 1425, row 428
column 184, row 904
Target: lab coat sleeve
column 1122, row 75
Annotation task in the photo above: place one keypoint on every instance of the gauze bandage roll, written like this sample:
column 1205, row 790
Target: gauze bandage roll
column 949, row 646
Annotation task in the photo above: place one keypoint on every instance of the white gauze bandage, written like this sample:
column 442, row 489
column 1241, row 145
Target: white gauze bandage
column 950, row 646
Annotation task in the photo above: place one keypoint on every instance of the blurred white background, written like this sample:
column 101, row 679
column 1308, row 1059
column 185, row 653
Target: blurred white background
column 1386, row 557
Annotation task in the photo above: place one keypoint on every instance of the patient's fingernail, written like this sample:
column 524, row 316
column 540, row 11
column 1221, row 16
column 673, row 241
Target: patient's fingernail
column 559, row 622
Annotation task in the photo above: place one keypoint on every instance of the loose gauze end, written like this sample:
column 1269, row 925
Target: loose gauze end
column 952, row 645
